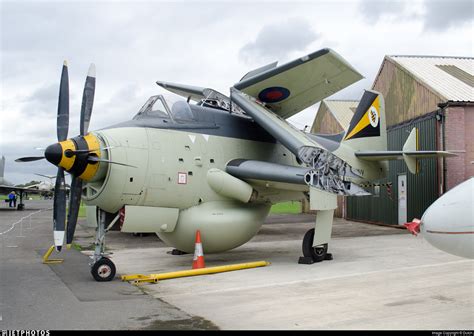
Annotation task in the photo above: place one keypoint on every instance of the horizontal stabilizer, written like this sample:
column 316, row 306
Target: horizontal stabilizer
column 398, row 155
column 409, row 153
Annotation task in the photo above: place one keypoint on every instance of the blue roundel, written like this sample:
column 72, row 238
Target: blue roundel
column 273, row 94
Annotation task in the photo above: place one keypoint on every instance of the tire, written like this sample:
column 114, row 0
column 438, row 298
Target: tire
column 317, row 253
column 103, row 270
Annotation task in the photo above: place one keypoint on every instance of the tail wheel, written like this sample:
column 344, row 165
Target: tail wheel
column 103, row 270
column 317, row 253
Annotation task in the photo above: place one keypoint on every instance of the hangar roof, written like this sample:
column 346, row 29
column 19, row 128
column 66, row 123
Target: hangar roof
column 450, row 77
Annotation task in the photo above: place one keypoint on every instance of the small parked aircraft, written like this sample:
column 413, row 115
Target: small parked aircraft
column 6, row 187
column 218, row 165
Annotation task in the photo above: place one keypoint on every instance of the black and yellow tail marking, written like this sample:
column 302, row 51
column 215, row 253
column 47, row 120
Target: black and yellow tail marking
column 366, row 120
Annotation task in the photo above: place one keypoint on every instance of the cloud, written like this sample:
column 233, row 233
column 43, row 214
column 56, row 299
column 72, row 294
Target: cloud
column 209, row 44
column 442, row 15
column 374, row 10
column 277, row 41
column 435, row 15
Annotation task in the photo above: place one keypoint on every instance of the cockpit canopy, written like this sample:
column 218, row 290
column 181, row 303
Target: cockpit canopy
column 155, row 107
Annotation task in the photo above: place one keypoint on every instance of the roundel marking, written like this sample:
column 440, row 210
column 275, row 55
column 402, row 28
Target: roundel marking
column 373, row 116
column 273, row 94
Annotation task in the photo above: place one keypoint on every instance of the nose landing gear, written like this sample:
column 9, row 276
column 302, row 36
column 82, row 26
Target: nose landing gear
column 102, row 268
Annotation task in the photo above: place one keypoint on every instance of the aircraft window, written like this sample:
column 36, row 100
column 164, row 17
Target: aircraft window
column 158, row 109
column 154, row 107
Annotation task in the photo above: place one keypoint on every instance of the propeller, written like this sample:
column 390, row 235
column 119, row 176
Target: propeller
column 76, row 183
column 59, row 209
column 53, row 153
column 71, row 153
column 74, row 156
column 47, row 176
column 96, row 159
column 29, row 158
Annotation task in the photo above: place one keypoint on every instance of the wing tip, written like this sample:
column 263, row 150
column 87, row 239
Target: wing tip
column 91, row 72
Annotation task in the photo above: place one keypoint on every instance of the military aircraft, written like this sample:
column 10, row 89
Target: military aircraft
column 218, row 165
column 46, row 185
column 448, row 223
column 6, row 187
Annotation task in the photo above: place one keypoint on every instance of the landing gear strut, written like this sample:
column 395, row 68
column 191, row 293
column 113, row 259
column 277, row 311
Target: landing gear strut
column 102, row 268
column 313, row 254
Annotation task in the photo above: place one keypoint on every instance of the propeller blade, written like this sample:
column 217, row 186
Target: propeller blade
column 87, row 100
column 62, row 124
column 96, row 159
column 47, row 176
column 29, row 158
column 78, row 151
column 74, row 204
column 59, row 210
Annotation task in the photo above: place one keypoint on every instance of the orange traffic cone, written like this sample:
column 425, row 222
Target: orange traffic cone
column 198, row 260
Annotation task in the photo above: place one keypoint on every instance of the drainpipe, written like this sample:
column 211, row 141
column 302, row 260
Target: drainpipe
column 441, row 117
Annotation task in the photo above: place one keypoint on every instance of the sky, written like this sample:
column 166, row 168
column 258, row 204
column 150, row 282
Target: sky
column 202, row 43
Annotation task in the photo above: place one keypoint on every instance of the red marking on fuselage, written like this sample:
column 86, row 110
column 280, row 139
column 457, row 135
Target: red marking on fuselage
column 450, row 232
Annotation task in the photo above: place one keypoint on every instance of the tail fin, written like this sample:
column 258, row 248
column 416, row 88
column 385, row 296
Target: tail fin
column 367, row 129
column 2, row 166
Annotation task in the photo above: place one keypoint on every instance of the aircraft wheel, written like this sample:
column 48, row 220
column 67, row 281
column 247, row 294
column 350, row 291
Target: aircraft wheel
column 317, row 253
column 103, row 270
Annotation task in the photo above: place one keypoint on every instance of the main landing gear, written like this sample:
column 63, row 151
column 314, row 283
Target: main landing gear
column 102, row 268
column 313, row 254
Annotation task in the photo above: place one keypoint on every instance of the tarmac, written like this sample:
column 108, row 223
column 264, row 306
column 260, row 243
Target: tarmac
column 380, row 278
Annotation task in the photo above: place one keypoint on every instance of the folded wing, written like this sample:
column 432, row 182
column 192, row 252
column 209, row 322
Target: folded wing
column 290, row 88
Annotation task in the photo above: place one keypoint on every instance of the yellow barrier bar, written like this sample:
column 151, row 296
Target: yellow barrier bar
column 131, row 277
column 138, row 278
column 46, row 259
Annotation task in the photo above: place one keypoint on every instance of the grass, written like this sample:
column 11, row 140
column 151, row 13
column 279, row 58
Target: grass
column 82, row 211
column 291, row 207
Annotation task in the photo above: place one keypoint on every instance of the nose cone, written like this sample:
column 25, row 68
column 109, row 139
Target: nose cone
column 54, row 153
column 448, row 224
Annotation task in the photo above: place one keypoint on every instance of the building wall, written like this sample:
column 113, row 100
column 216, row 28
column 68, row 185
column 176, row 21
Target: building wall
column 459, row 137
column 325, row 122
column 405, row 98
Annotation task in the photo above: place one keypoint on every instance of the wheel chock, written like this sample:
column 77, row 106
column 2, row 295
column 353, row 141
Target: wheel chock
column 46, row 256
column 177, row 252
column 310, row 261
column 305, row 260
column 328, row 256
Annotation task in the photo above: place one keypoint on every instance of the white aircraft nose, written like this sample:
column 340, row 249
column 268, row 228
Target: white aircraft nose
column 448, row 224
